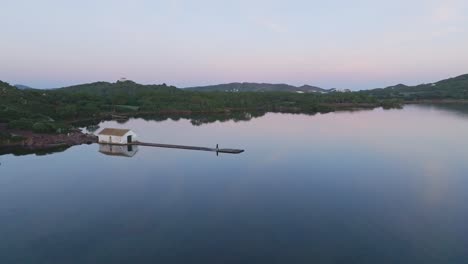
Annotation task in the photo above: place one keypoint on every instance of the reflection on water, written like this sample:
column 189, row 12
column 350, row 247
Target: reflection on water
column 345, row 187
column 199, row 119
column 456, row 108
column 22, row 151
column 196, row 119
column 118, row 150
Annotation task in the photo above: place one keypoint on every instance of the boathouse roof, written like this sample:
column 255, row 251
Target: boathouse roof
column 114, row 132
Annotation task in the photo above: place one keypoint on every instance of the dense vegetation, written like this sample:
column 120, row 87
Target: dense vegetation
column 46, row 111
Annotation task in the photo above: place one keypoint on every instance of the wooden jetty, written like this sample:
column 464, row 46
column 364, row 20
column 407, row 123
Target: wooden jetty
column 217, row 150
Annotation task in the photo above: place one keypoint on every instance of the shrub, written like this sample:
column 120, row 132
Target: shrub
column 43, row 127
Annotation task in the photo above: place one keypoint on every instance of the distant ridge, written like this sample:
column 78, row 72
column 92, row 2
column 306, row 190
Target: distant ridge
column 22, row 87
column 119, row 87
column 457, row 87
column 258, row 87
column 452, row 88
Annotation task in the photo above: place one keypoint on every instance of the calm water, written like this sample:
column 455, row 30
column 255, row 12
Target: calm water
column 349, row 187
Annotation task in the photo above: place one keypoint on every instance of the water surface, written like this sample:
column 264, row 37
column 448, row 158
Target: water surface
column 346, row 187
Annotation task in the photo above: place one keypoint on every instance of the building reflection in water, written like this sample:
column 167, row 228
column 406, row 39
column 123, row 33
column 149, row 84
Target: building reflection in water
column 117, row 150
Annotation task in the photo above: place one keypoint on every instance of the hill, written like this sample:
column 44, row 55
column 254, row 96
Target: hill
column 119, row 87
column 54, row 109
column 258, row 87
column 452, row 88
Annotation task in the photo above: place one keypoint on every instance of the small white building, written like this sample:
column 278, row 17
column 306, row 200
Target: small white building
column 117, row 136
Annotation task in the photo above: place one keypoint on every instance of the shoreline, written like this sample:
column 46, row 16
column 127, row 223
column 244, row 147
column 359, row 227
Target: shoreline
column 28, row 141
column 437, row 101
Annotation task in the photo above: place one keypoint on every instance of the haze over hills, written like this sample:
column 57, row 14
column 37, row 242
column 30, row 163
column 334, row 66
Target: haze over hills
column 258, row 87
column 22, row 87
column 452, row 88
column 456, row 87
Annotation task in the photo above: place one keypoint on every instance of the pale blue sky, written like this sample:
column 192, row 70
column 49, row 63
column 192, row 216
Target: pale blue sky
column 344, row 44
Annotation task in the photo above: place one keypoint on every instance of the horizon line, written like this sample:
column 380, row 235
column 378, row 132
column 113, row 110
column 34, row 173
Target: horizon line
column 225, row 83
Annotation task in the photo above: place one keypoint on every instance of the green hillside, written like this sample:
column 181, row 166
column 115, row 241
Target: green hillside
column 453, row 88
column 119, row 87
column 46, row 110
column 54, row 109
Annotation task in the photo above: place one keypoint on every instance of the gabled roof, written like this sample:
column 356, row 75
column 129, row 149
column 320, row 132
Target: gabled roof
column 114, row 132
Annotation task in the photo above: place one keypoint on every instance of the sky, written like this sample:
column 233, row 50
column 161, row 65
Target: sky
column 358, row 44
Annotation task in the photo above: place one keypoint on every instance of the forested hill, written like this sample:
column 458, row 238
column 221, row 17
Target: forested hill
column 52, row 109
column 48, row 108
column 453, row 88
column 119, row 87
column 4, row 86
column 257, row 87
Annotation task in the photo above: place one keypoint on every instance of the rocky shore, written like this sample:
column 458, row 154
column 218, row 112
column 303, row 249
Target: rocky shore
column 20, row 139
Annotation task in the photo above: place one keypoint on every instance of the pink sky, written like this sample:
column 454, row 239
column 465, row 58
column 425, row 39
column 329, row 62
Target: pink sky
column 359, row 45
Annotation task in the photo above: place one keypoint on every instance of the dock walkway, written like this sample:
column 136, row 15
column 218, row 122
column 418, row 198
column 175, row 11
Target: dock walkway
column 217, row 150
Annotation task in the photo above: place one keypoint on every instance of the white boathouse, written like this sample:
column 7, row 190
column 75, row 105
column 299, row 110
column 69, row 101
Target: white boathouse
column 117, row 136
